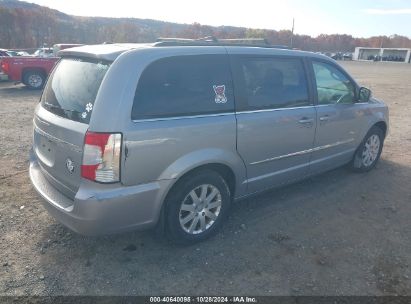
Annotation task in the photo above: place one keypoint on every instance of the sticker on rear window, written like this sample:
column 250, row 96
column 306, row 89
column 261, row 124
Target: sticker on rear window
column 102, row 66
column 89, row 107
column 219, row 91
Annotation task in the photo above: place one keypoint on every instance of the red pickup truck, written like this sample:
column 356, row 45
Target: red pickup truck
column 31, row 71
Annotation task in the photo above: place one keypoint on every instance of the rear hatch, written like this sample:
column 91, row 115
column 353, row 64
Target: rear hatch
column 62, row 118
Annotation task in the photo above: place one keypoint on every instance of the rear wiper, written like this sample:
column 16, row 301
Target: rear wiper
column 51, row 106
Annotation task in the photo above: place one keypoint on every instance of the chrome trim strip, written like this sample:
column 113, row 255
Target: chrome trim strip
column 273, row 110
column 335, row 104
column 294, row 168
column 304, row 151
column 313, row 162
column 182, row 117
column 276, row 173
column 231, row 113
column 58, row 141
column 282, row 156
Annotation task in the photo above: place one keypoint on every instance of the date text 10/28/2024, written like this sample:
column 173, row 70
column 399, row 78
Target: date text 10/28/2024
column 204, row 299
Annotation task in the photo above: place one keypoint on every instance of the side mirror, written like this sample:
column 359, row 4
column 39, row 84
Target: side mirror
column 364, row 94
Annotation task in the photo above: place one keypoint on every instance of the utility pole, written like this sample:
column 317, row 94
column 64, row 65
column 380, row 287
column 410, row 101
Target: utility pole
column 292, row 35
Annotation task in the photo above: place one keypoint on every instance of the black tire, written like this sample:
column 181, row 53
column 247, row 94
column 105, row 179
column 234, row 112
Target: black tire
column 358, row 164
column 34, row 80
column 180, row 194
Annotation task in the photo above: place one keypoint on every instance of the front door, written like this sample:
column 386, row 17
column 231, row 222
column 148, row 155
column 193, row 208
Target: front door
column 338, row 117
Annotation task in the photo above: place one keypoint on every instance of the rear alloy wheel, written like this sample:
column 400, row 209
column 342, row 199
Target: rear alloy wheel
column 34, row 80
column 200, row 209
column 369, row 151
column 197, row 207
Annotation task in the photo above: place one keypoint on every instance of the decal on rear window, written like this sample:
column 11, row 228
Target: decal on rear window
column 89, row 107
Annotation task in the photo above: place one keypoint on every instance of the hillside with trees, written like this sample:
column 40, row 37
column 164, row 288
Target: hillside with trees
column 25, row 25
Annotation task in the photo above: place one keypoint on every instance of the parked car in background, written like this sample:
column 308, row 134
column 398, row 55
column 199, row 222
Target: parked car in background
column 31, row 71
column 347, row 56
column 13, row 53
column 44, row 52
column 337, row 56
column 133, row 136
column 62, row 46
column 4, row 53
column 22, row 53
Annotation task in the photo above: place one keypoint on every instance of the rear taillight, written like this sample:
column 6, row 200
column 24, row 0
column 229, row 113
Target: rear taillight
column 4, row 66
column 101, row 157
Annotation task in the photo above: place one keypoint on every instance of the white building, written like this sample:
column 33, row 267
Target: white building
column 383, row 54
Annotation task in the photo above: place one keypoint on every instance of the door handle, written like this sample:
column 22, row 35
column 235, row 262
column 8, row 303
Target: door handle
column 306, row 121
column 325, row 118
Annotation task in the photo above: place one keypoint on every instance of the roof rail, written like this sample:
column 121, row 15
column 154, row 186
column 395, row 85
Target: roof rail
column 259, row 41
column 204, row 39
column 213, row 41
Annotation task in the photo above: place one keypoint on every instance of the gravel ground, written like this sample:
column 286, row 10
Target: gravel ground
column 339, row 233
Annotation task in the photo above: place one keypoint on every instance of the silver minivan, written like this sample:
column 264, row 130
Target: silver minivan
column 168, row 135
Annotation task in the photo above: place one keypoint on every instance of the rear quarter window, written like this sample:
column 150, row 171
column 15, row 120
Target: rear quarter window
column 72, row 88
column 184, row 86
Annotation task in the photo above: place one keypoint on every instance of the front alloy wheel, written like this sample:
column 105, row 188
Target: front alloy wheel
column 369, row 151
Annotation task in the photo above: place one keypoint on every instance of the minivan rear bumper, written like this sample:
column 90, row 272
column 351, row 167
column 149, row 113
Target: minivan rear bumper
column 101, row 208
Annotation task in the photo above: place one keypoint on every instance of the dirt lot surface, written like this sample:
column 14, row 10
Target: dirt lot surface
column 339, row 233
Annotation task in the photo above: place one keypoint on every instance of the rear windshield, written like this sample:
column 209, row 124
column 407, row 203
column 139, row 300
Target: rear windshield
column 72, row 88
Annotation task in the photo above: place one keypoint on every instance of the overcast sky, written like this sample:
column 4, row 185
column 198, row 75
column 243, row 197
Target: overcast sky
column 360, row 18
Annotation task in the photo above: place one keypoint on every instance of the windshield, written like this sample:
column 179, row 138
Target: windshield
column 72, row 88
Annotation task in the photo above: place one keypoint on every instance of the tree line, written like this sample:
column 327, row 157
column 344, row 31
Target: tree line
column 32, row 26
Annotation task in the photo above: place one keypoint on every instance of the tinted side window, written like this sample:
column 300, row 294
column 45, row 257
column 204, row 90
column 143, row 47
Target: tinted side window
column 184, row 85
column 275, row 83
column 332, row 85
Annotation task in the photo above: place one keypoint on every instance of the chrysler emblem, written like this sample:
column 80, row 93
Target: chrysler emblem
column 70, row 165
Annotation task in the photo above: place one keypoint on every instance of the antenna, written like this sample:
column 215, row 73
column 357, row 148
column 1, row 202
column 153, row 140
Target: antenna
column 292, row 35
